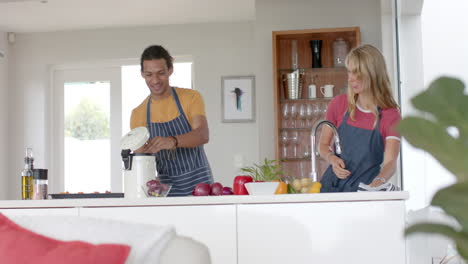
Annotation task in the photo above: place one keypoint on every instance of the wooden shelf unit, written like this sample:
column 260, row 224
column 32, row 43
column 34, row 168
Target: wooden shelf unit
column 327, row 74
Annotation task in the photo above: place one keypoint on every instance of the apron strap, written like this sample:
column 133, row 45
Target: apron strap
column 176, row 99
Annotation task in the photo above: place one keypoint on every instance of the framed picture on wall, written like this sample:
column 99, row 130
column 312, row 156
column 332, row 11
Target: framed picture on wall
column 238, row 99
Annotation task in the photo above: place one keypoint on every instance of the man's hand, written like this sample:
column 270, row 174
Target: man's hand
column 156, row 144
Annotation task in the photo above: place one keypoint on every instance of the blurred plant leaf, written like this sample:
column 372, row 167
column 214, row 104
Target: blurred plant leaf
column 460, row 238
column 433, row 228
column 448, row 105
column 454, row 200
column 433, row 137
column 446, row 101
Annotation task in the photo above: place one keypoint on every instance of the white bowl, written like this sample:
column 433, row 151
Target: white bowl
column 261, row 188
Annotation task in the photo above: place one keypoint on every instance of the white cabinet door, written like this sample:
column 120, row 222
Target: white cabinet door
column 213, row 225
column 40, row 211
column 331, row 232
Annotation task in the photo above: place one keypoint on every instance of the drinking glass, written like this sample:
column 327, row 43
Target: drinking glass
column 309, row 114
column 301, row 168
column 316, row 113
column 323, row 109
column 295, row 141
column 306, row 153
column 285, row 141
column 286, row 114
column 293, row 114
column 302, row 114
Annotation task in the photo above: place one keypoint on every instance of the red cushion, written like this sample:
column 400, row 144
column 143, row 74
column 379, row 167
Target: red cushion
column 19, row 245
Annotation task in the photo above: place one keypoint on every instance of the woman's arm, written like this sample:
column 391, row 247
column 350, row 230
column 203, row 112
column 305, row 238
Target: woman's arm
column 325, row 141
column 338, row 165
column 392, row 150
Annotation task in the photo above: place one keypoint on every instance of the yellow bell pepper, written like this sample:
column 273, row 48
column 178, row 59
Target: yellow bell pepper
column 282, row 188
column 316, row 186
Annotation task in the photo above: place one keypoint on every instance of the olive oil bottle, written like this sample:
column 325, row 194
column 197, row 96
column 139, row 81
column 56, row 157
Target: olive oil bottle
column 27, row 175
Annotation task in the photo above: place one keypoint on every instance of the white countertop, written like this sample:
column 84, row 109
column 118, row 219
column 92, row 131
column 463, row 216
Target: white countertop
column 208, row 200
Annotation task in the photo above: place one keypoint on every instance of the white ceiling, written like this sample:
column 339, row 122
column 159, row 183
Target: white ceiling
column 22, row 16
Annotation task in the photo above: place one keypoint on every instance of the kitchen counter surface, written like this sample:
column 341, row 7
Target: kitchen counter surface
column 208, row 200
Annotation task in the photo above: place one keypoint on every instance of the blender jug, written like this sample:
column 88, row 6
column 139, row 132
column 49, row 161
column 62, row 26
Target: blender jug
column 139, row 168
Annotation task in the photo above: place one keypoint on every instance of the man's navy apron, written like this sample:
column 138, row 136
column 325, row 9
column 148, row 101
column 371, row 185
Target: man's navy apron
column 363, row 152
column 189, row 166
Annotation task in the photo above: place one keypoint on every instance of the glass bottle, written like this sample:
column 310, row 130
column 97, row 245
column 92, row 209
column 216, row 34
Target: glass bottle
column 27, row 175
column 294, row 56
column 340, row 51
column 316, row 49
column 39, row 184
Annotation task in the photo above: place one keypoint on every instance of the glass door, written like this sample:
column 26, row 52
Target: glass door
column 86, row 131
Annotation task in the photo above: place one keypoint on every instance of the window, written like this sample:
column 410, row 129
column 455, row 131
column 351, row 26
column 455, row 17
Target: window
column 87, row 136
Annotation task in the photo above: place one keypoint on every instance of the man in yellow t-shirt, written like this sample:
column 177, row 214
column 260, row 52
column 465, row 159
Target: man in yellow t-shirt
column 177, row 123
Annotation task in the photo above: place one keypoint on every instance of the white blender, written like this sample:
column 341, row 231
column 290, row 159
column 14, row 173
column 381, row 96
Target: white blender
column 139, row 168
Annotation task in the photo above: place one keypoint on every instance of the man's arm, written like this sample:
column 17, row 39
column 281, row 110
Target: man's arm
column 198, row 136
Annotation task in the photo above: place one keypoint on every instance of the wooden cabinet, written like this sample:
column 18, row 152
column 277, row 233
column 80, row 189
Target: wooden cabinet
column 295, row 117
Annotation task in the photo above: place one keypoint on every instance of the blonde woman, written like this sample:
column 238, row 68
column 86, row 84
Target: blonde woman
column 366, row 118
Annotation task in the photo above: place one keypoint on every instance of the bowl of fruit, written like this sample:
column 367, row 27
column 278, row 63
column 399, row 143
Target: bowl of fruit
column 155, row 188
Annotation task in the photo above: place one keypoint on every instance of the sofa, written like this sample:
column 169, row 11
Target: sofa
column 108, row 239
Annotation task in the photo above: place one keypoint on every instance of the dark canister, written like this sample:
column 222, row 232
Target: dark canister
column 316, row 48
column 40, row 183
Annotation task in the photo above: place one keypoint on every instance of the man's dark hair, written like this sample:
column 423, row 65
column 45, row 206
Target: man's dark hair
column 156, row 52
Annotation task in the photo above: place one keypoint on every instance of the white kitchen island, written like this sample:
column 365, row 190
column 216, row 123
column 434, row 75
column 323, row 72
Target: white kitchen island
column 364, row 227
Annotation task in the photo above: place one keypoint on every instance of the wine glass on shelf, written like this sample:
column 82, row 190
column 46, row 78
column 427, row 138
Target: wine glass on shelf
column 309, row 114
column 316, row 113
column 323, row 109
column 301, row 169
column 285, row 141
column 306, row 153
column 295, row 141
column 302, row 114
column 286, row 114
column 293, row 114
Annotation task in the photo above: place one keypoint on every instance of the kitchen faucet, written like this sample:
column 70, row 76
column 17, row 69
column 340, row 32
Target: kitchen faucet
column 314, row 152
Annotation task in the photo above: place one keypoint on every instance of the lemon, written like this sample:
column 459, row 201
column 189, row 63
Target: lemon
column 306, row 182
column 296, row 184
column 305, row 189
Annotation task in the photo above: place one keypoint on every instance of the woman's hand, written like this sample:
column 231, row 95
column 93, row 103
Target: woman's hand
column 376, row 182
column 156, row 144
column 338, row 167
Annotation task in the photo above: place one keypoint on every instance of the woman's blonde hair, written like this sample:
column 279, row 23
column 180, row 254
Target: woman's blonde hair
column 368, row 64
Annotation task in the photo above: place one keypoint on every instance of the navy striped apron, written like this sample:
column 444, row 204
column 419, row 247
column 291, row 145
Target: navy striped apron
column 189, row 166
column 363, row 152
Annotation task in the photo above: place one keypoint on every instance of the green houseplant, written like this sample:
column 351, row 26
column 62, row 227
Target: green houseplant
column 263, row 175
column 270, row 170
column 443, row 132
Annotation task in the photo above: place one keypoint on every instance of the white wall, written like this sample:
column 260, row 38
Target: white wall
column 412, row 82
column 218, row 49
column 4, row 117
column 273, row 15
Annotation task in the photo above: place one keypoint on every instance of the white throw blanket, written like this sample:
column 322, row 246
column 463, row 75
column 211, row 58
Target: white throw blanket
column 386, row 187
column 146, row 241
